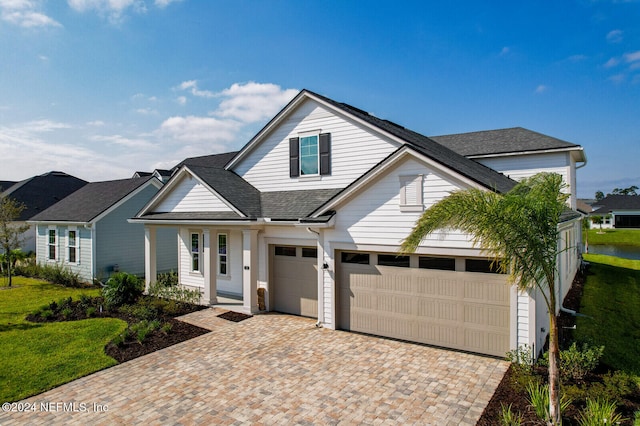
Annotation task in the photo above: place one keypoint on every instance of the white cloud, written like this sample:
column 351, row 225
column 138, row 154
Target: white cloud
column 614, row 36
column 252, row 102
column 632, row 56
column 505, row 51
column 192, row 86
column 541, row 88
column 199, row 129
column 181, row 100
column 39, row 126
column 618, row 78
column 25, row 13
column 612, row 63
column 146, row 111
column 164, row 3
column 114, row 10
column 96, row 123
column 123, row 141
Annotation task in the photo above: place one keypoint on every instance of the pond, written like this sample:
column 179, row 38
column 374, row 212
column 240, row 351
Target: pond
column 626, row 252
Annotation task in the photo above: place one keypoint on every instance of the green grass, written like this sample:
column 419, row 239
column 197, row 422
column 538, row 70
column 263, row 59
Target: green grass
column 611, row 300
column 38, row 357
column 627, row 237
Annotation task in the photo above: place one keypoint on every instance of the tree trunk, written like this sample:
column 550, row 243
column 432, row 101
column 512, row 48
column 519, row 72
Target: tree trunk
column 9, row 268
column 554, row 374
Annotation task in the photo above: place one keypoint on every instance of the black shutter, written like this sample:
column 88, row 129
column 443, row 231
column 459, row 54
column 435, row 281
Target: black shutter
column 325, row 153
column 294, row 157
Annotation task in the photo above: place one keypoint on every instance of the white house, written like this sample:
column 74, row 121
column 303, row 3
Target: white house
column 88, row 231
column 312, row 212
column 618, row 211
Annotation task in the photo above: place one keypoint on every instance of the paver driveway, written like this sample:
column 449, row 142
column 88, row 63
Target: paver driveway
column 277, row 369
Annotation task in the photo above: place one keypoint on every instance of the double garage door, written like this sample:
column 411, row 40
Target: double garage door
column 461, row 310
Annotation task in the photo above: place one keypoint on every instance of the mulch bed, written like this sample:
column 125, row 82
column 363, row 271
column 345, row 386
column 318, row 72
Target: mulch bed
column 507, row 394
column 157, row 339
column 234, row 316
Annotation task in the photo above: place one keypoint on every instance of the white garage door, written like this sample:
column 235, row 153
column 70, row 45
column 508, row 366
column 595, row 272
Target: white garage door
column 295, row 280
column 460, row 310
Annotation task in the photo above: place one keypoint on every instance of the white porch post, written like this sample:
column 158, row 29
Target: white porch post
column 208, row 248
column 150, row 268
column 250, row 270
column 321, row 273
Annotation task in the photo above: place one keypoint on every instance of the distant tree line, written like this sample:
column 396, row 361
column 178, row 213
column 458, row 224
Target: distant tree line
column 632, row 190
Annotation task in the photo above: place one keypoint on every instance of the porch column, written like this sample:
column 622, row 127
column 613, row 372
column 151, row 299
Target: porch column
column 150, row 268
column 210, row 290
column 250, row 270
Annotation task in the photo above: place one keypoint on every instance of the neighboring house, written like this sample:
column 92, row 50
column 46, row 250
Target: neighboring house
column 37, row 194
column 88, row 231
column 618, row 211
column 162, row 174
column 312, row 212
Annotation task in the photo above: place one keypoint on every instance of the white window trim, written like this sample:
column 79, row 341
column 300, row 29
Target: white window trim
column 315, row 176
column 218, row 261
column 191, row 252
column 55, row 243
column 77, row 245
column 418, row 185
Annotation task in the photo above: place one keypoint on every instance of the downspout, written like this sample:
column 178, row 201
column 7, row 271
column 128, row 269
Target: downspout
column 320, row 311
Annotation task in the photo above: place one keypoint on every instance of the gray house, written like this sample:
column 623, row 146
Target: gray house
column 89, row 233
column 38, row 193
column 619, row 211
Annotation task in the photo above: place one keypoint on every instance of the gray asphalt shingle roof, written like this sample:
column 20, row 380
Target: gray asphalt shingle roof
column 617, row 202
column 488, row 142
column 41, row 192
column 90, row 201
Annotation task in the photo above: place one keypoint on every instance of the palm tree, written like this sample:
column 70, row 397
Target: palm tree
column 520, row 230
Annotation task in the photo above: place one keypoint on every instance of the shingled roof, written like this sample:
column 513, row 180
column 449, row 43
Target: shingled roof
column 41, row 192
column 492, row 142
column 444, row 155
column 89, row 202
column 616, row 202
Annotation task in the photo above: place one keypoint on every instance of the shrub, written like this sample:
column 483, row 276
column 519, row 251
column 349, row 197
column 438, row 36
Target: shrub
column 508, row 417
column 46, row 313
column 166, row 328
column 599, row 412
column 143, row 328
column 576, row 363
column 539, row 399
column 167, row 289
column 141, row 311
column 122, row 288
column 55, row 273
column 90, row 311
column 168, row 279
column 66, row 312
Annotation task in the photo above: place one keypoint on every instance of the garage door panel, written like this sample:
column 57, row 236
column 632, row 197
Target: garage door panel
column 460, row 310
column 295, row 281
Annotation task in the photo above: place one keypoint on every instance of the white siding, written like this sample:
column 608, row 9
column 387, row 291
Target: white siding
column 83, row 265
column 189, row 195
column 354, row 150
column 187, row 277
column 374, row 215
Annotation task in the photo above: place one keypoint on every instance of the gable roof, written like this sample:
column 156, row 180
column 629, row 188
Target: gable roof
column 6, row 184
column 41, row 192
column 477, row 172
column 501, row 141
column 616, row 202
column 214, row 160
column 92, row 200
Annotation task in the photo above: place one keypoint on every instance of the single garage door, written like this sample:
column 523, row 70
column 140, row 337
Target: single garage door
column 295, row 280
column 461, row 310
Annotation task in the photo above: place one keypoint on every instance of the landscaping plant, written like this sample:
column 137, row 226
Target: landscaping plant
column 121, row 289
column 520, row 228
column 509, row 418
column 599, row 412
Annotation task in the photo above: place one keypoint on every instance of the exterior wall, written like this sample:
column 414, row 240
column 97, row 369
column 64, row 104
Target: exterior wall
column 83, row 252
column 230, row 284
column 354, row 151
column 121, row 243
column 189, row 195
column 27, row 238
column 518, row 167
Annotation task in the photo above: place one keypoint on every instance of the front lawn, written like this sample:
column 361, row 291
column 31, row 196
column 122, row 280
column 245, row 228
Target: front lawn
column 38, row 357
column 625, row 237
column 611, row 301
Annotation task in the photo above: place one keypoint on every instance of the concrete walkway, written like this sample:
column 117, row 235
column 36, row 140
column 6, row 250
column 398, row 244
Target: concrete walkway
column 276, row 369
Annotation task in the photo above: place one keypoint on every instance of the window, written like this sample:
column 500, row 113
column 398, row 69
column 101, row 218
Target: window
column 285, row 251
column 482, row 265
column 358, row 258
column 393, row 260
column 223, row 260
column 310, row 155
column 72, row 245
column 411, row 193
column 444, row 263
column 309, row 164
column 52, row 244
column 195, row 252
column 309, row 252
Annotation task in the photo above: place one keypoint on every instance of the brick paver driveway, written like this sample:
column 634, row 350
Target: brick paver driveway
column 277, row 369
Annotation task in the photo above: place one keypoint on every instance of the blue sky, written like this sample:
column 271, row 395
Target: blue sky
column 101, row 88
